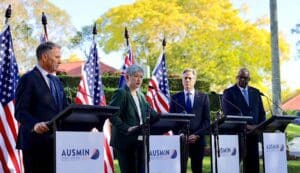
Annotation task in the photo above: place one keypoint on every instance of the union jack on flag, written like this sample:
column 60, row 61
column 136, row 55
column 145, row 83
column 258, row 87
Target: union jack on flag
column 128, row 61
column 43, row 38
column 158, row 94
column 90, row 89
column 10, row 158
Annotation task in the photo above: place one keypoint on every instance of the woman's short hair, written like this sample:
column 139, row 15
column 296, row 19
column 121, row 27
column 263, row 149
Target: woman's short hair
column 131, row 70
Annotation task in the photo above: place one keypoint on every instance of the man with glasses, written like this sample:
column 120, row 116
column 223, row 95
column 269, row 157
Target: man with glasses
column 194, row 102
column 243, row 100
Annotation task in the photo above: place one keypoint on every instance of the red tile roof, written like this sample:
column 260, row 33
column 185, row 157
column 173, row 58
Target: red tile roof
column 74, row 68
column 292, row 104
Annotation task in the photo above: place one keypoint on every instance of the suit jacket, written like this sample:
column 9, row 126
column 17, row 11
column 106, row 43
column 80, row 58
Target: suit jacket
column 200, row 109
column 126, row 117
column 233, row 103
column 35, row 103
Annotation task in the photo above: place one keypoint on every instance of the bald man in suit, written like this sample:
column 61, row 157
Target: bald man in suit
column 242, row 99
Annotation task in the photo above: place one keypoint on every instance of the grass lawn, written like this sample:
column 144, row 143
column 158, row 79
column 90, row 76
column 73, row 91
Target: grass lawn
column 293, row 166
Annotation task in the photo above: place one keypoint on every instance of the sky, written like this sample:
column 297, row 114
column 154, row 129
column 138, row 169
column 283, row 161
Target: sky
column 288, row 16
column 85, row 12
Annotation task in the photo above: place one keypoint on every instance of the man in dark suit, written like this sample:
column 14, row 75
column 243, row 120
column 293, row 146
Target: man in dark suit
column 241, row 99
column 194, row 102
column 39, row 97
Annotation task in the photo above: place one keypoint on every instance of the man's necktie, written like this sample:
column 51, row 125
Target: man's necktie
column 245, row 94
column 53, row 88
column 189, row 106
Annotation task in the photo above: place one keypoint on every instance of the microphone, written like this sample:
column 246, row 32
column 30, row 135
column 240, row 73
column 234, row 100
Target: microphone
column 233, row 105
column 270, row 100
column 219, row 113
column 176, row 103
column 50, row 124
column 171, row 100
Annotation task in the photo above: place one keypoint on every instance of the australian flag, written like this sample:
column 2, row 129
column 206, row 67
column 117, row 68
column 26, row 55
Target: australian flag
column 128, row 61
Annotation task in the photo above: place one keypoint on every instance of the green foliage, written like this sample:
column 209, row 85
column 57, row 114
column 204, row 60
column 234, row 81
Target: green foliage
column 207, row 35
column 293, row 166
column 26, row 27
column 112, row 82
column 292, row 131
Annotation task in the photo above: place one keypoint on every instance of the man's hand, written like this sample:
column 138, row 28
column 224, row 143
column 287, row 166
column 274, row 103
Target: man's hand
column 193, row 139
column 40, row 128
column 251, row 127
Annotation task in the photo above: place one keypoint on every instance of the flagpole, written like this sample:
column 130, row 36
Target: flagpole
column 94, row 32
column 7, row 14
column 164, row 43
column 44, row 22
column 126, row 35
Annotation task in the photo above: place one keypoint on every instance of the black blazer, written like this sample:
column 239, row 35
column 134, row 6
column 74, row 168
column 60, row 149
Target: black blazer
column 233, row 103
column 126, row 117
column 200, row 109
column 35, row 103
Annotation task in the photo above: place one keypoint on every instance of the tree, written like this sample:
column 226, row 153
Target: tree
column 26, row 27
column 73, row 58
column 207, row 35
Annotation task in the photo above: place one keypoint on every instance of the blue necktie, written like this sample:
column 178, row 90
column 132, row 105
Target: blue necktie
column 53, row 88
column 189, row 106
column 245, row 94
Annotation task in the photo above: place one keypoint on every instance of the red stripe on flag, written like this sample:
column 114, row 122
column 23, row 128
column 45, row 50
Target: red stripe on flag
column 109, row 154
column 9, row 148
column 83, row 90
column 162, row 102
column 108, row 160
column 157, row 101
column 10, row 121
column 3, row 162
column 82, row 95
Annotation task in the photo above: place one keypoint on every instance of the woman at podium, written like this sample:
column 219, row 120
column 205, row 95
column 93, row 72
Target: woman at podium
column 133, row 113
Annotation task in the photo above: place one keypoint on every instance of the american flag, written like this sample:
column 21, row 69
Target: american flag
column 128, row 61
column 90, row 89
column 108, row 151
column 11, row 159
column 90, row 92
column 158, row 95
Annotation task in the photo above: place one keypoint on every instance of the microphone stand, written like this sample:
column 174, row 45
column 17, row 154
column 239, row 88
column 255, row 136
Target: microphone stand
column 185, row 133
column 146, row 133
column 216, row 141
column 270, row 100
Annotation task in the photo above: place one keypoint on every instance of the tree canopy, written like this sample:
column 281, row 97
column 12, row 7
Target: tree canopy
column 208, row 35
column 27, row 28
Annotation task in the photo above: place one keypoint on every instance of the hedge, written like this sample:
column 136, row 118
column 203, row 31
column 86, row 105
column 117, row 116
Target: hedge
column 111, row 83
